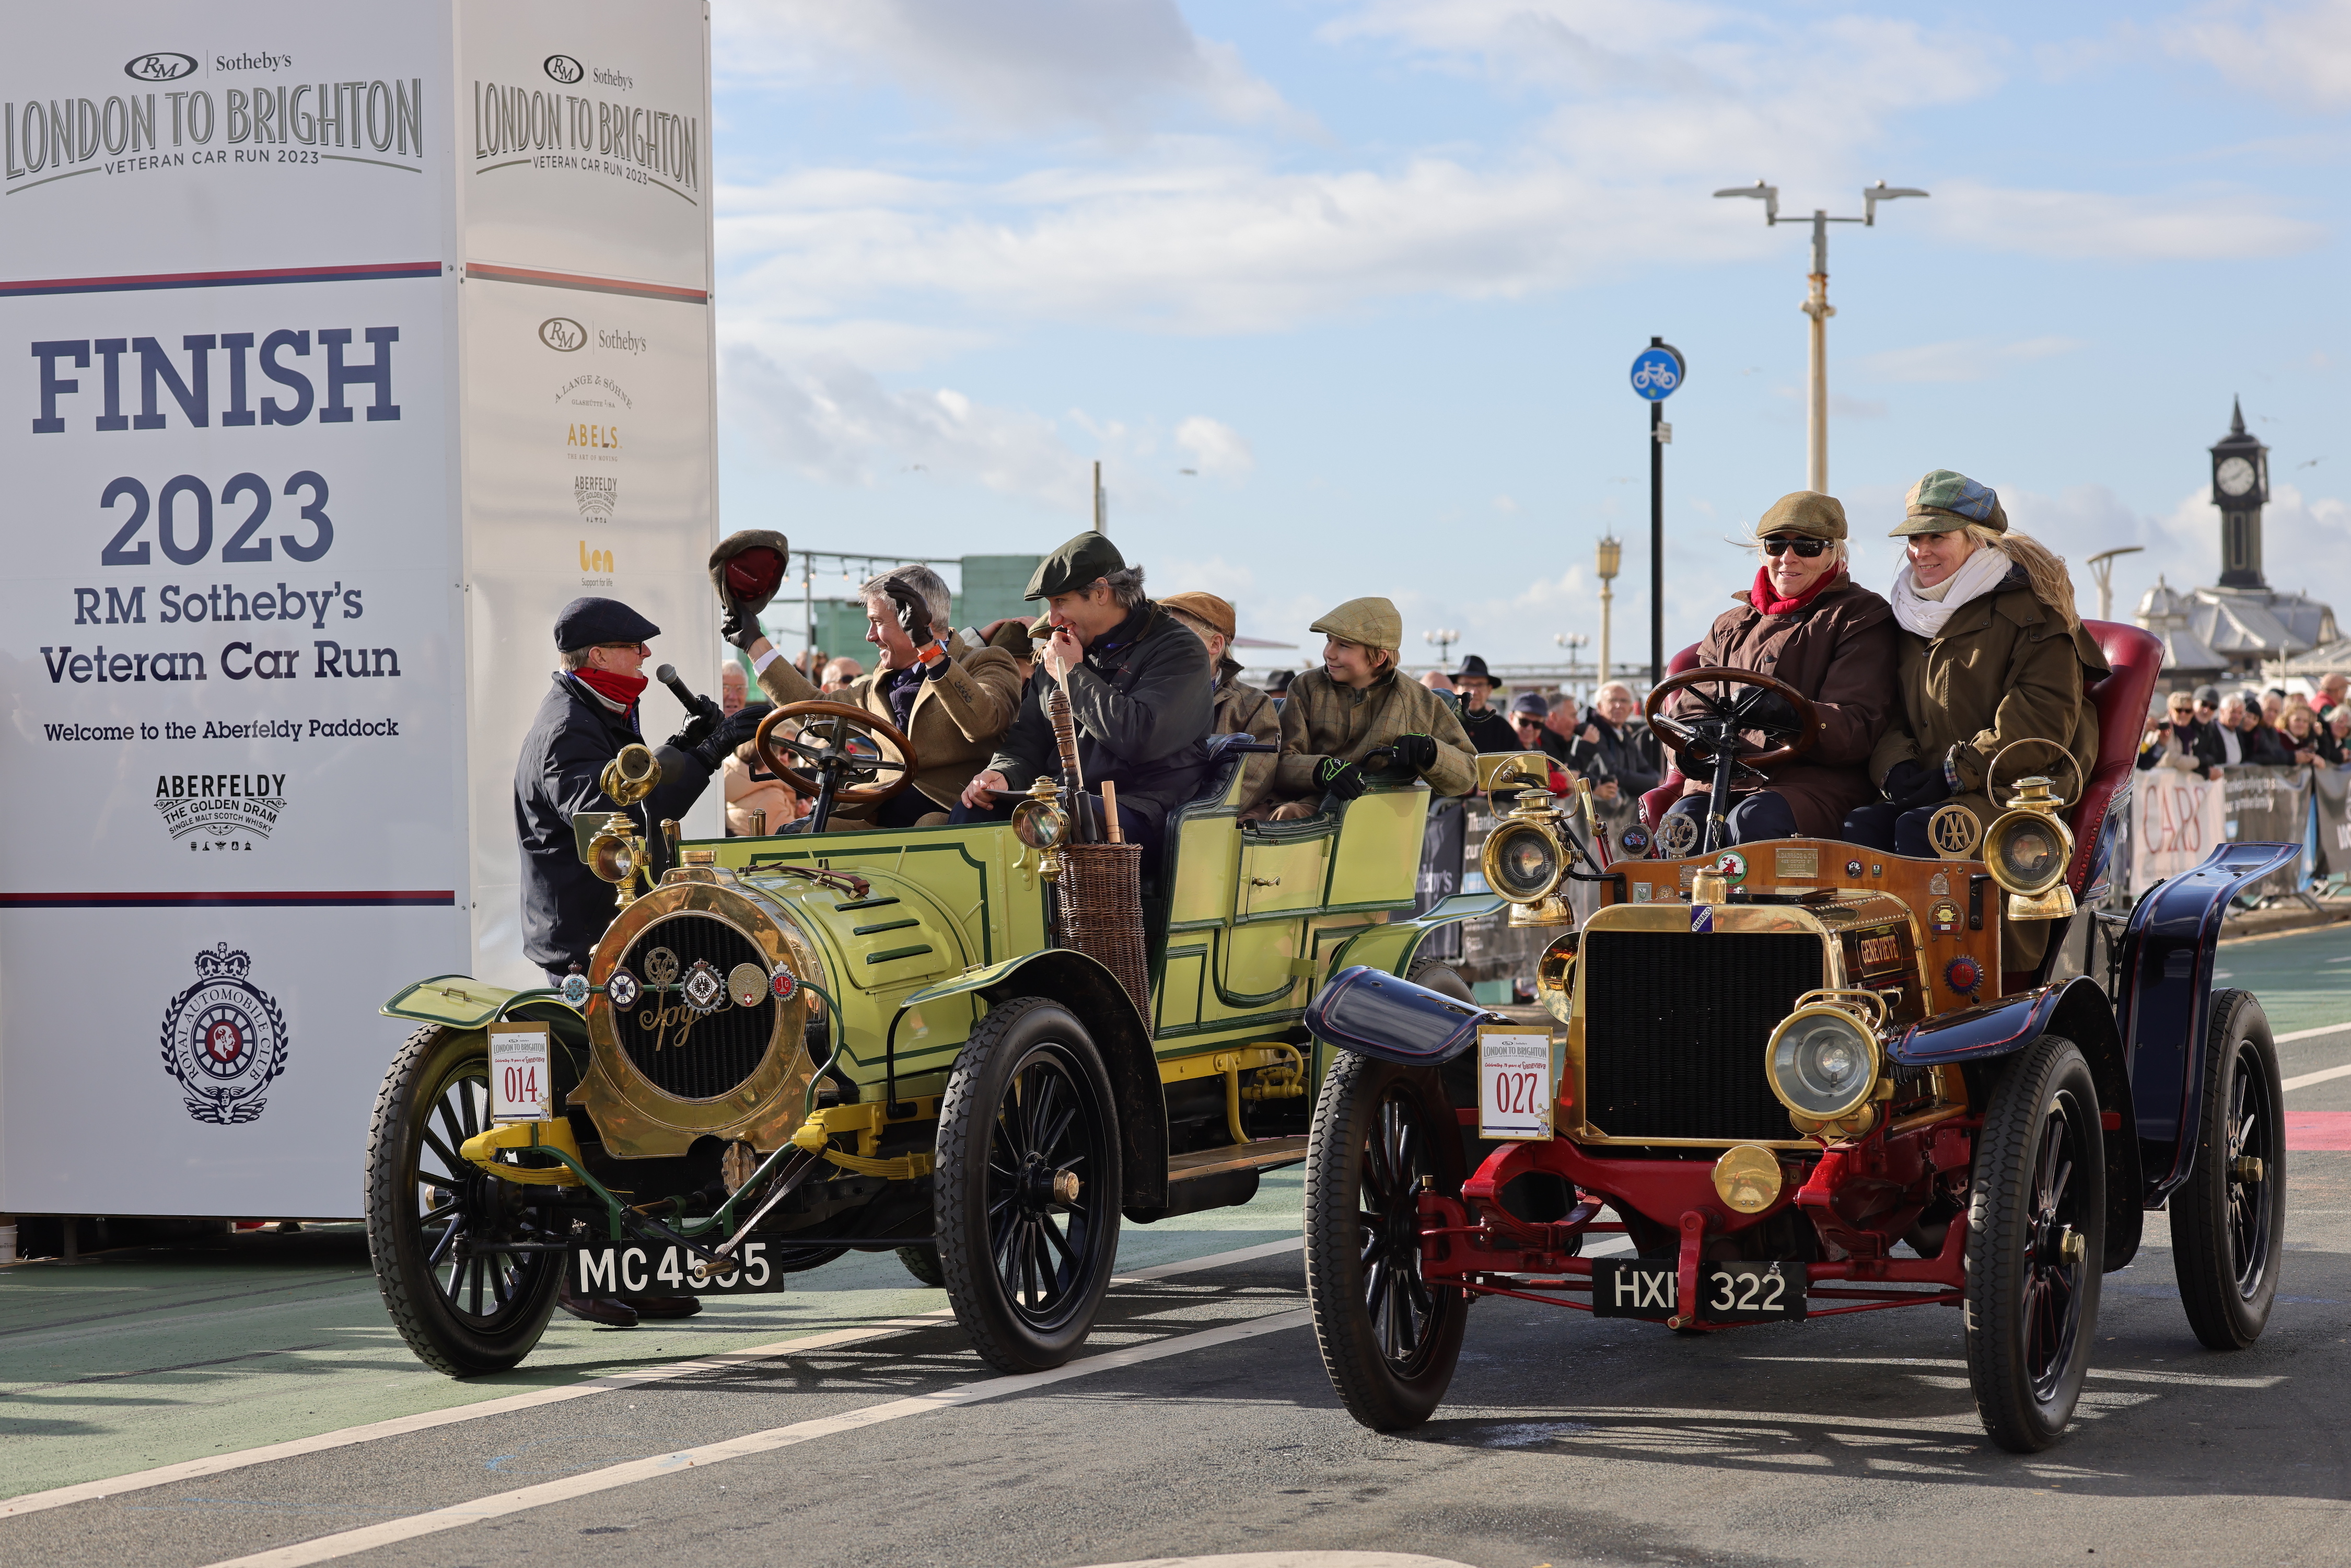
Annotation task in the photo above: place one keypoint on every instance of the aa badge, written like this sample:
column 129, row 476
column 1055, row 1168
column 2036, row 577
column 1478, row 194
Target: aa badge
column 224, row 1040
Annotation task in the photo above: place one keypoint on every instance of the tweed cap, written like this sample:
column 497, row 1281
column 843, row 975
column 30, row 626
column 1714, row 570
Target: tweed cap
column 1075, row 565
column 1806, row 514
column 588, row 623
column 1373, row 622
column 1011, row 635
column 747, row 568
column 1205, row 608
column 1945, row 500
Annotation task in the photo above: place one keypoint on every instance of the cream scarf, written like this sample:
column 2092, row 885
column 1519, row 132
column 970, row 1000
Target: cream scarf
column 1925, row 609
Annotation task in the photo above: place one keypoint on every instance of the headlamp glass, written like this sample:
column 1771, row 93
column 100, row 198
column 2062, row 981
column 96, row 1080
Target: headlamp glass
column 1821, row 1063
column 2027, row 853
column 1523, row 862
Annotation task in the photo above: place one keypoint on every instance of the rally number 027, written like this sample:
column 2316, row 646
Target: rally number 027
column 1518, row 1093
column 183, row 513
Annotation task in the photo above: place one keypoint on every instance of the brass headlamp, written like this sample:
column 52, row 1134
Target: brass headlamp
column 2028, row 848
column 1043, row 824
column 1527, row 855
column 1823, row 1063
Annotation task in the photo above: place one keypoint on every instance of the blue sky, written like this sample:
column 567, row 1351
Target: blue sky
column 1374, row 271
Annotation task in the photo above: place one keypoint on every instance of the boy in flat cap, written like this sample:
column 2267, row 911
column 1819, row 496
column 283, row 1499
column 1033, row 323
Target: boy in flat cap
column 1139, row 687
column 1353, row 721
column 1241, row 708
column 950, row 699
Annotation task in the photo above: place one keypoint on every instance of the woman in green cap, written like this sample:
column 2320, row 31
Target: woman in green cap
column 1805, row 622
column 1991, row 651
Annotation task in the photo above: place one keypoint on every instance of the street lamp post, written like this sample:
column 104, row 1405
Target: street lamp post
column 2101, row 567
column 1442, row 641
column 1816, row 306
column 1612, row 556
column 1573, row 641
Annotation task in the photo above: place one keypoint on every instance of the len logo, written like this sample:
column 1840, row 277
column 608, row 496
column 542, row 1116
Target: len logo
column 163, row 66
column 562, row 334
column 564, row 68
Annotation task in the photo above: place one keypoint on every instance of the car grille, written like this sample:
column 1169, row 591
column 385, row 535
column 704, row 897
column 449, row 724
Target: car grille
column 722, row 1047
column 1675, row 1029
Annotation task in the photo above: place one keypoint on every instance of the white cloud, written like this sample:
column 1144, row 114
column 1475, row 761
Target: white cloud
column 2207, row 223
column 2299, row 51
column 1217, row 450
column 1005, row 65
column 1962, row 360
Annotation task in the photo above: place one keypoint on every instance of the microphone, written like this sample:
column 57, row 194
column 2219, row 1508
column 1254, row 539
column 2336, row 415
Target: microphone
column 667, row 675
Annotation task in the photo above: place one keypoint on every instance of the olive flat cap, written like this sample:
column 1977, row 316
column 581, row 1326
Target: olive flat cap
column 747, row 568
column 586, row 623
column 1205, row 608
column 1373, row 622
column 1945, row 500
column 1075, row 566
column 1807, row 514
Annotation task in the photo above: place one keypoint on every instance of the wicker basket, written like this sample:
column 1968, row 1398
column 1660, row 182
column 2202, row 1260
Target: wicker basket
column 1102, row 912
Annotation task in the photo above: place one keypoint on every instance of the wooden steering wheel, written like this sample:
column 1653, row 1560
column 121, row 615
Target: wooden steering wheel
column 1679, row 734
column 835, row 759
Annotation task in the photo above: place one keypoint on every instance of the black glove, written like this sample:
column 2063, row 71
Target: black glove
column 1339, row 777
column 1910, row 785
column 739, row 629
column 697, row 729
column 712, row 746
column 914, row 615
column 1769, row 710
column 1416, row 753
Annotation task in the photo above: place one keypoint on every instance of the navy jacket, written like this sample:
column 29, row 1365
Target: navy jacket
column 566, row 906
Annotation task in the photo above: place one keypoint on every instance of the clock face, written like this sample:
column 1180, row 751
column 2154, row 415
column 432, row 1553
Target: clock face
column 2234, row 477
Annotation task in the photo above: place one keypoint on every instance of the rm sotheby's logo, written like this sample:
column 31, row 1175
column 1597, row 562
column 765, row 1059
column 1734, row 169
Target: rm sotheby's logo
column 165, row 66
column 562, row 334
column 564, row 68
column 224, row 1040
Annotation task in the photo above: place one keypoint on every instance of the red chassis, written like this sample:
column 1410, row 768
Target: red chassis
column 1860, row 1196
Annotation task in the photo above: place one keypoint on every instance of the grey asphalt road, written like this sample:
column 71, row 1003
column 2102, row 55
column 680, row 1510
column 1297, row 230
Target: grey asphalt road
column 1565, row 1441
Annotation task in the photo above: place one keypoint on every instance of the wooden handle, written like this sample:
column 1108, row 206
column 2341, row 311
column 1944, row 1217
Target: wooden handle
column 1110, row 811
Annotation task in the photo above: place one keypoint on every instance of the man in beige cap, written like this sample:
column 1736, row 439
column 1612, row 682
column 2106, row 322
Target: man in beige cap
column 1352, row 721
column 1241, row 708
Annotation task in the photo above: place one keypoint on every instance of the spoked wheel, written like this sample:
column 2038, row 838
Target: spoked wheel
column 1026, row 1194
column 1388, row 1339
column 434, row 1222
column 2228, row 1220
column 2036, row 1241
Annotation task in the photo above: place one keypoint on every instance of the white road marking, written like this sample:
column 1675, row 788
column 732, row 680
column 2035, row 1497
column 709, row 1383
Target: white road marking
column 401, row 1425
column 327, row 1548
column 2311, row 1033
column 2305, row 1080
column 2119, row 1375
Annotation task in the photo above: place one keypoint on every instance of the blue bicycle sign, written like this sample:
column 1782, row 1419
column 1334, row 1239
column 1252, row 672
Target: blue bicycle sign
column 1655, row 373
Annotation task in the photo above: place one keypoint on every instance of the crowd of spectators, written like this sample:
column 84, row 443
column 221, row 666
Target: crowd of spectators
column 2206, row 730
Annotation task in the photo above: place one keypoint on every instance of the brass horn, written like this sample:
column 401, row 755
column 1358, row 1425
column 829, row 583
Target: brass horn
column 631, row 776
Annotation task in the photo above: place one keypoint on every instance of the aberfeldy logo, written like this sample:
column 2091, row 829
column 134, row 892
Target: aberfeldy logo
column 220, row 805
column 52, row 138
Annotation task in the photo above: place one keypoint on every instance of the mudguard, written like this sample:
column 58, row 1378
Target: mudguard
column 1373, row 1013
column 1393, row 944
column 2165, row 994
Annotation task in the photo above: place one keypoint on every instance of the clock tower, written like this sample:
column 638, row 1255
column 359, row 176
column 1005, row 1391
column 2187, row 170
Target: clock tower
column 2240, row 487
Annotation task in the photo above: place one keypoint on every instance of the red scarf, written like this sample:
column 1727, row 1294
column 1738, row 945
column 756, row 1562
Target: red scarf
column 613, row 686
column 1766, row 600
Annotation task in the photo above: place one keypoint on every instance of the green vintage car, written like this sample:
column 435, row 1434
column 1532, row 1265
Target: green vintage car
column 797, row 1046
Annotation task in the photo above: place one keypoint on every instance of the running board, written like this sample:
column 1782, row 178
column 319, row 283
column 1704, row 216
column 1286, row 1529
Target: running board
column 1263, row 1154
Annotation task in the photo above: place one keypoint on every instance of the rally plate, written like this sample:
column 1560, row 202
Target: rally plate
column 640, row 1268
column 1727, row 1292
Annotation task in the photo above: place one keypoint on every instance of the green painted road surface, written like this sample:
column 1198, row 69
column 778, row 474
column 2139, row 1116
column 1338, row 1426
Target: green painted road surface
column 133, row 1360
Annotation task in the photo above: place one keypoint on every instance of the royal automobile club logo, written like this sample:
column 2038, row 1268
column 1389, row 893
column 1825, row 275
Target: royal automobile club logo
column 224, row 1040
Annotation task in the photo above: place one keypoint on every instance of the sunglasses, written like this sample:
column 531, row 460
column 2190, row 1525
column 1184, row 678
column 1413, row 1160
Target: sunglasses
column 1808, row 548
column 1525, row 719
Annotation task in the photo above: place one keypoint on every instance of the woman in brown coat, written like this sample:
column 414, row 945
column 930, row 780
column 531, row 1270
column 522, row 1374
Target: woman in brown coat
column 1807, row 622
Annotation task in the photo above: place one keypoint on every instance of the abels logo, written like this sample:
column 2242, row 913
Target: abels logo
column 162, row 66
column 561, row 67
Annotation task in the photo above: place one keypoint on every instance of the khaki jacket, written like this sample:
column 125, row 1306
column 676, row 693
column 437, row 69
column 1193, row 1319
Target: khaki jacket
column 1243, row 709
column 2004, row 668
column 1839, row 651
column 1321, row 718
column 954, row 724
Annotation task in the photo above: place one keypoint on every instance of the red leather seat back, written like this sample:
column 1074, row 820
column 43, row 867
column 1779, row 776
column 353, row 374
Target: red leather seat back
column 2136, row 657
column 1657, row 801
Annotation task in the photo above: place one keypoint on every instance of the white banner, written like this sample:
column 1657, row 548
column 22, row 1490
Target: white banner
column 348, row 344
column 2177, row 819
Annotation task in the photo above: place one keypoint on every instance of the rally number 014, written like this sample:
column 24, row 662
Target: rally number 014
column 184, row 520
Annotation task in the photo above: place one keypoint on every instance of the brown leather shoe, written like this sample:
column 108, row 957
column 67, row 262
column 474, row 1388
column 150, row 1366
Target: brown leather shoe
column 606, row 1310
column 661, row 1306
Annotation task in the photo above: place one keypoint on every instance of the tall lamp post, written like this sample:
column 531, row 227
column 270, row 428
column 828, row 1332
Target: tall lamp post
column 2101, row 567
column 1573, row 642
column 1611, row 556
column 1816, row 306
column 1443, row 642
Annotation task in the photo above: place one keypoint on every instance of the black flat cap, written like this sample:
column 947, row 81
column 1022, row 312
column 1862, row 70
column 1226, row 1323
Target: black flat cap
column 1075, row 565
column 585, row 622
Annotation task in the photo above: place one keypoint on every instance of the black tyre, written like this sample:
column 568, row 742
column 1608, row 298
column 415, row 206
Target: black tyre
column 1027, row 1118
column 1389, row 1340
column 2036, row 1238
column 922, row 1263
column 2227, row 1220
column 1440, row 976
column 435, row 1221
